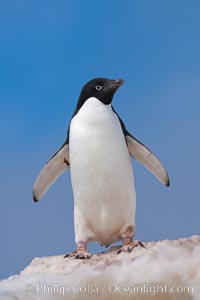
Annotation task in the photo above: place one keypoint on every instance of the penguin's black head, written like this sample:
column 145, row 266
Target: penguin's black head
column 101, row 88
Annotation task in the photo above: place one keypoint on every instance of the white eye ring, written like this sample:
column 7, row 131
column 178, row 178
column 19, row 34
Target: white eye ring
column 98, row 87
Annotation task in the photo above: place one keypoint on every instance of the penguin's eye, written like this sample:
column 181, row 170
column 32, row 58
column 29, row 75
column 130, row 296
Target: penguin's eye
column 98, row 87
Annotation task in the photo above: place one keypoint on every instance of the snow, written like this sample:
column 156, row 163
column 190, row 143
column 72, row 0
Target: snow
column 162, row 270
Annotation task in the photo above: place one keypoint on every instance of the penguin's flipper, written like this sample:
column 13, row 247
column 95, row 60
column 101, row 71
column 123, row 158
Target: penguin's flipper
column 56, row 165
column 143, row 155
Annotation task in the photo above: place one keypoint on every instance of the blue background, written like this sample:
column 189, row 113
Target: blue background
column 48, row 50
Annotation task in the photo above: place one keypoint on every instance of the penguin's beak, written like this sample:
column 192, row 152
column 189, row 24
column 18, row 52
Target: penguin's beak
column 115, row 84
column 119, row 81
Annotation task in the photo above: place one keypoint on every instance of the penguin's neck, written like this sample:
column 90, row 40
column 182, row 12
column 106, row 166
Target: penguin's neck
column 94, row 110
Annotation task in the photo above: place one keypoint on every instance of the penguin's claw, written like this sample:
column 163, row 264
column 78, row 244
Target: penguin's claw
column 83, row 255
column 130, row 246
column 71, row 254
column 79, row 254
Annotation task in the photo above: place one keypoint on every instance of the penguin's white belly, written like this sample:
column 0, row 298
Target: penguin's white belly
column 101, row 174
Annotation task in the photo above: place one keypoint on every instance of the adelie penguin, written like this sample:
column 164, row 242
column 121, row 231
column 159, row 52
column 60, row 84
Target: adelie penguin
column 97, row 152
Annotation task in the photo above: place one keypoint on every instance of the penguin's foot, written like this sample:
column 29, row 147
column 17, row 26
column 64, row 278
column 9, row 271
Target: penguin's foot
column 81, row 252
column 128, row 246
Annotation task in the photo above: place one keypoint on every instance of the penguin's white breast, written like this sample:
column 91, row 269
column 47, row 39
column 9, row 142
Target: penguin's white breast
column 101, row 171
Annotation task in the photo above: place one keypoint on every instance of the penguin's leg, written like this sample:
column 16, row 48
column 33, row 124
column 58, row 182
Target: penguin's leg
column 127, row 238
column 81, row 251
column 83, row 235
